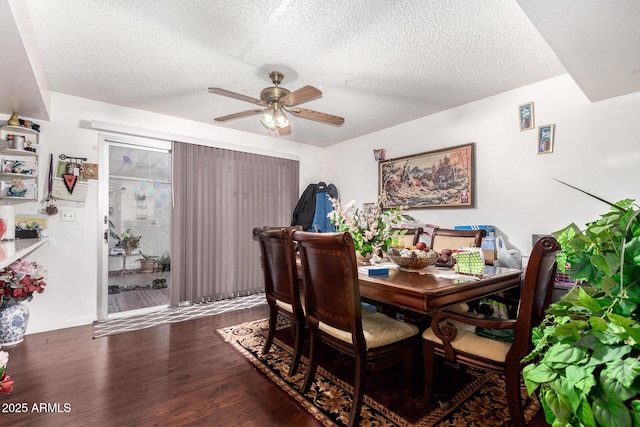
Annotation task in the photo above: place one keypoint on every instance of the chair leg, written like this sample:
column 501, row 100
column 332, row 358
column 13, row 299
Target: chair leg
column 428, row 353
column 273, row 321
column 512, row 380
column 412, row 372
column 313, row 365
column 297, row 347
column 358, row 390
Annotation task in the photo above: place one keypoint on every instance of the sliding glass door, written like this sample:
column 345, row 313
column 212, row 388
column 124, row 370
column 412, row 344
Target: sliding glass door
column 136, row 201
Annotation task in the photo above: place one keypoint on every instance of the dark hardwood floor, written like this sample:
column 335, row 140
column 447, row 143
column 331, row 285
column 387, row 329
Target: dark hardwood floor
column 171, row 375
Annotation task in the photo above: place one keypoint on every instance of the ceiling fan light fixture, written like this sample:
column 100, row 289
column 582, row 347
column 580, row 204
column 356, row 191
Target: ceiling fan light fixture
column 280, row 119
column 268, row 118
column 274, row 101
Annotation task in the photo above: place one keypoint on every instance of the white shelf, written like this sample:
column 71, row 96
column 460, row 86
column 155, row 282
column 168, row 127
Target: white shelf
column 12, row 154
column 13, row 151
column 19, row 129
column 19, row 175
column 13, row 250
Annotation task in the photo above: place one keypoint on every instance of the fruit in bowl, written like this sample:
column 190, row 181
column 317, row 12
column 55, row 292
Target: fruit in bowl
column 445, row 258
column 412, row 259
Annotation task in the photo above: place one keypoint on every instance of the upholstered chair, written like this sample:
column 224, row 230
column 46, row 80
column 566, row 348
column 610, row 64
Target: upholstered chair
column 335, row 318
column 281, row 285
column 444, row 238
column 455, row 337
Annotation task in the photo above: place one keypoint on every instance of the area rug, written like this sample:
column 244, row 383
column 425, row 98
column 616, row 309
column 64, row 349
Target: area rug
column 474, row 397
column 136, row 298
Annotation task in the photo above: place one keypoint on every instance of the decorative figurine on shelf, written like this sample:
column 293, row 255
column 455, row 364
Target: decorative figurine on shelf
column 30, row 125
column 14, row 120
column 17, row 188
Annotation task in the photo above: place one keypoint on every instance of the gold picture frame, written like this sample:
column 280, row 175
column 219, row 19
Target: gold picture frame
column 435, row 179
column 546, row 137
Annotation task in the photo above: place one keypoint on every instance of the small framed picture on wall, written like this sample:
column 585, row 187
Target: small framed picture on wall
column 546, row 135
column 525, row 113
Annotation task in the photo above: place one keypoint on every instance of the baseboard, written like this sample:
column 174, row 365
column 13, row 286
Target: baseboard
column 71, row 323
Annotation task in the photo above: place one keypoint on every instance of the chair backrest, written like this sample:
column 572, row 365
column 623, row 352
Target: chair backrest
column 279, row 264
column 330, row 276
column 536, row 293
column 292, row 228
column 444, row 238
column 411, row 237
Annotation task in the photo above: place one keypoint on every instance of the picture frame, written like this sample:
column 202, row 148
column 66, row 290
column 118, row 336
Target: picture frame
column 526, row 116
column 442, row 178
column 546, row 136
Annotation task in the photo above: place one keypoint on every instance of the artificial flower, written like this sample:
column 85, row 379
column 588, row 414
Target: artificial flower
column 20, row 280
column 372, row 231
column 6, row 383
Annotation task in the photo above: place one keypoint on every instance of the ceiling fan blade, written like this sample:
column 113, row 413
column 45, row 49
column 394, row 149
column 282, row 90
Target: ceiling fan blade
column 224, row 92
column 284, row 131
column 304, row 94
column 317, row 116
column 239, row 115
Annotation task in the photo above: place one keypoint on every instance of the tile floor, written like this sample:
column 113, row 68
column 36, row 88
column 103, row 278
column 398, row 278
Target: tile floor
column 175, row 314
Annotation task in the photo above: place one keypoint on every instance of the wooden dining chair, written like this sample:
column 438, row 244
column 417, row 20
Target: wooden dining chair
column 334, row 314
column 444, row 238
column 281, row 285
column 448, row 338
column 410, row 237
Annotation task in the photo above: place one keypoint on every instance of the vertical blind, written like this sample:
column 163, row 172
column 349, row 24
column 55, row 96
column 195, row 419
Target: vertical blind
column 219, row 197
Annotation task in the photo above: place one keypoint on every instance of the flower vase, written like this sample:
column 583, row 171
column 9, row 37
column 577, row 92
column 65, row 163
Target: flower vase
column 14, row 316
column 128, row 251
column 363, row 258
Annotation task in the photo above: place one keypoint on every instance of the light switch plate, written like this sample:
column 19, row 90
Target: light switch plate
column 67, row 215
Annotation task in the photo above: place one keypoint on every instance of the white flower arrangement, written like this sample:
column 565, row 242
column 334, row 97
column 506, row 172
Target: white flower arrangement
column 372, row 230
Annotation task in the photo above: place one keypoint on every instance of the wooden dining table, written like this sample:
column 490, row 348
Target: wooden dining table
column 431, row 289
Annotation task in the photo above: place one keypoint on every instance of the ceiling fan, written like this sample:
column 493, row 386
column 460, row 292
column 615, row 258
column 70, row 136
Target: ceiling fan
column 276, row 100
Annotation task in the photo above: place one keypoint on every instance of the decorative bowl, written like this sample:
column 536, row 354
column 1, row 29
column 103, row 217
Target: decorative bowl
column 412, row 260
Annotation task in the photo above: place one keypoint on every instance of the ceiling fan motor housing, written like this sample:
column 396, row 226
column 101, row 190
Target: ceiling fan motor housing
column 273, row 94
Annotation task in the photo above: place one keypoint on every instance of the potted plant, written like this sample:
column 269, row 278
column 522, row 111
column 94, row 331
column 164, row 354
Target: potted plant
column 129, row 241
column 164, row 262
column 585, row 366
column 18, row 282
column 147, row 263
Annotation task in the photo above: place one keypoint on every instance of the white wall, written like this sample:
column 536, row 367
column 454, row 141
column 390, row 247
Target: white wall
column 597, row 148
column 71, row 254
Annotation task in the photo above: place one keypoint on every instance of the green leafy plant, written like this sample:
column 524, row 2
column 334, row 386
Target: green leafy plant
column 164, row 262
column 146, row 257
column 585, row 365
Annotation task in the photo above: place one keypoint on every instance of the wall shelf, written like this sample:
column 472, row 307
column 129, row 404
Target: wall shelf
column 13, row 250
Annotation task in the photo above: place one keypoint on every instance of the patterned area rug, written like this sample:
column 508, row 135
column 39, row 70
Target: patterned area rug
column 134, row 299
column 478, row 398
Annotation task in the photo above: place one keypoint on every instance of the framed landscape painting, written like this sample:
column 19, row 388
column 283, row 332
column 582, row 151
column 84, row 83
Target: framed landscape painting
column 435, row 179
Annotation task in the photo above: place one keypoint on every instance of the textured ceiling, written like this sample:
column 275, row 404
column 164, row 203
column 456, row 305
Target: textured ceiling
column 379, row 63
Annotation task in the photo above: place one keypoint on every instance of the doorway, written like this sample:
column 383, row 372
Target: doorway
column 137, row 204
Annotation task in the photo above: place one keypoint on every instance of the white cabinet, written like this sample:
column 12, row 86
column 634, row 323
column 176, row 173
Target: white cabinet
column 19, row 163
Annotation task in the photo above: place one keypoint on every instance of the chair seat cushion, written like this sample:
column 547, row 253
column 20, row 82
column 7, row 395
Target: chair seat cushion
column 288, row 307
column 379, row 330
column 467, row 341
